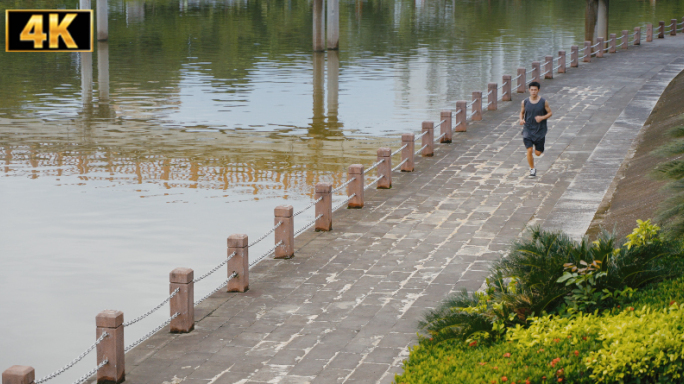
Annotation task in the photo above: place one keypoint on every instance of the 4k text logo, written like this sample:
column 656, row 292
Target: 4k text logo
column 49, row 31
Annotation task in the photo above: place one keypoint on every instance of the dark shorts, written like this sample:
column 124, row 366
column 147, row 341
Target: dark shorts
column 538, row 145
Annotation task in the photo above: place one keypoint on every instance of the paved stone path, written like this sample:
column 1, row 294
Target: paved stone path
column 345, row 308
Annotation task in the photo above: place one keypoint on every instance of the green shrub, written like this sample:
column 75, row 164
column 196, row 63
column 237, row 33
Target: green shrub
column 627, row 345
column 671, row 211
column 540, row 276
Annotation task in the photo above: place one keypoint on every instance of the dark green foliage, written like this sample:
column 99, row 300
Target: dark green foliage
column 671, row 212
column 448, row 322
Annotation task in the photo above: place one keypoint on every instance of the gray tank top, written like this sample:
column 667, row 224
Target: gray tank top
column 533, row 130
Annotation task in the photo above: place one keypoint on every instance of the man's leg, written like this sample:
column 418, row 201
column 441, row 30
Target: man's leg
column 530, row 158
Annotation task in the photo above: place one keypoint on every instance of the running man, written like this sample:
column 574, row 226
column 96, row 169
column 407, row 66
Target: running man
column 534, row 112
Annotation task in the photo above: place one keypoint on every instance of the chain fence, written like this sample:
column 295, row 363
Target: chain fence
column 399, row 150
column 343, row 202
column 152, row 332
column 265, row 234
column 151, row 311
column 373, row 166
column 231, row 277
column 373, row 182
column 85, row 377
column 400, row 164
column 224, row 262
column 253, row 263
column 74, row 361
column 421, row 149
column 309, row 224
column 308, row 206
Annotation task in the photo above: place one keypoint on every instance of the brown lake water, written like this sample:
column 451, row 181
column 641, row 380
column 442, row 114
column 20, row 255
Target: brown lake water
column 198, row 117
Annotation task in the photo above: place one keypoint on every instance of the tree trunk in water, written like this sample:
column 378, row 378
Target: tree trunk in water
column 596, row 20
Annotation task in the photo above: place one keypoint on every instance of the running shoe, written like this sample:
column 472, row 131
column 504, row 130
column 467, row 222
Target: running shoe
column 533, row 172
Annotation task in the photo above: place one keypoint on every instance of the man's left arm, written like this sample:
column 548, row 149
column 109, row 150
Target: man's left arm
column 548, row 113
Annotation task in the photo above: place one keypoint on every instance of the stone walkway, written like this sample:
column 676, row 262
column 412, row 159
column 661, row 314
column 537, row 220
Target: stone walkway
column 345, row 308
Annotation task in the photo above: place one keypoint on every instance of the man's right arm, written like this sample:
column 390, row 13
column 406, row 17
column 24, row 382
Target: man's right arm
column 522, row 113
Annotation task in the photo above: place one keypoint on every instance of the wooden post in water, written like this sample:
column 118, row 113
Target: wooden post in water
column 102, row 20
column 333, row 24
column 522, row 80
column 318, row 26
column 625, row 39
column 574, row 56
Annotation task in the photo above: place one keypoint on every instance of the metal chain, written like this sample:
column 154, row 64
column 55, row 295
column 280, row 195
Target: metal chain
column 556, row 67
column 345, row 201
column 309, row 206
column 489, row 93
column 488, row 104
column 544, row 73
column 150, row 333
column 265, row 234
column 579, row 59
column 457, row 112
column 92, row 372
column 421, row 148
column 253, row 263
column 343, row 185
column 530, row 71
column 502, row 85
column 373, row 182
column 596, row 45
column 74, row 361
column 471, row 103
column 400, row 164
column 310, row 223
column 557, row 58
column 470, row 117
column 440, row 136
column 441, row 122
column 233, row 275
column 517, row 77
column 619, row 38
column 165, row 301
column 215, row 268
column 399, row 150
column 501, row 96
column 606, row 49
column 373, row 166
column 421, row 135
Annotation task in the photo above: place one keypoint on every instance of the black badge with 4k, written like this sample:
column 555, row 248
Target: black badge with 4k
column 57, row 30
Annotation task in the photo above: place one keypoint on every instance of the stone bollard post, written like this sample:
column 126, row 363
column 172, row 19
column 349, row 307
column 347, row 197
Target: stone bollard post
column 445, row 127
column 536, row 71
column 561, row 61
column 356, row 186
column 461, row 116
column 506, row 96
column 492, row 95
column 102, row 20
column 649, row 32
column 637, row 37
column 385, row 168
column 238, row 243
column 19, row 374
column 548, row 67
column 323, row 207
column 601, row 46
column 574, row 56
column 477, row 106
column 612, row 45
column 522, row 80
column 625, row 39
column 111, row 347
column 184, row 301
column 587, row 52
column 285, row 232
column 673, row 27
column 428, row 139
column 407, row 139
column 661, row 29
